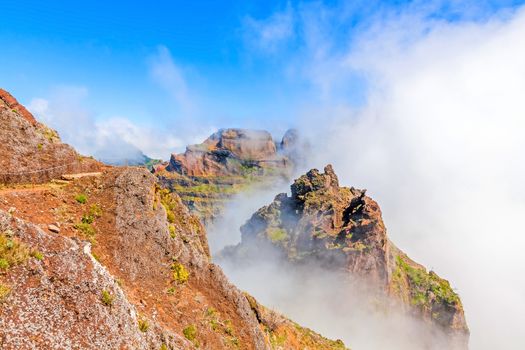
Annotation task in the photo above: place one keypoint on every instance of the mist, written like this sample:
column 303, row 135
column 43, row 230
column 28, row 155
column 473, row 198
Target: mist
column 113, row 140
column 225, row 230
column 438, row 142
column 330, row 302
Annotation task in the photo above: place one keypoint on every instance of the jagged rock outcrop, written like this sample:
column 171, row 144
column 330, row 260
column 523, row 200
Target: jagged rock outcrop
column 30, row 152
column 341, row 228
column 11, row 102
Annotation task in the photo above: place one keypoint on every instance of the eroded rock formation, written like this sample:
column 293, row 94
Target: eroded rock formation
column 228, row 152
column 341, row 228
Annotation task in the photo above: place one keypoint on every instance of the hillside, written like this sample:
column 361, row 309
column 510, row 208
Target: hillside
column 112, row 260
column 341, row 229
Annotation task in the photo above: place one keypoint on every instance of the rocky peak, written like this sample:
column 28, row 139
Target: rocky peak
column 341, row 229
column 243, row 143
column 229, row 152
column 314, row 181
column 11, row 102
column 232, row 151
column 290, row 139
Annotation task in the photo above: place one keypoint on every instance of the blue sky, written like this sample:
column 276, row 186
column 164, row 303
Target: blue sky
column 239, row 63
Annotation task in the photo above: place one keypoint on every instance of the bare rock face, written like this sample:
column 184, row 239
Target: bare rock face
column 31, row 152
column 290, row 139
column 54, row 297
column 245, row 144
column 12, row 103
column 228, row 152
column 341, row 228
column 207, row 175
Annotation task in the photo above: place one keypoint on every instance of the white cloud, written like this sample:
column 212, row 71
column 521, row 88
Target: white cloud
column 152, row 142
column 438, row 142
column 271, row 33
column 440, row 145
column 112, row 139
column 170, row 76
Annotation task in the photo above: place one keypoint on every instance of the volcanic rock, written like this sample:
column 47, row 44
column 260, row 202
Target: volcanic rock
column 341, row 229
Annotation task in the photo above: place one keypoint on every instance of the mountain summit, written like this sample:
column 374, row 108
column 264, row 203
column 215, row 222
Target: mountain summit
column 229, row 152
column 209, row 174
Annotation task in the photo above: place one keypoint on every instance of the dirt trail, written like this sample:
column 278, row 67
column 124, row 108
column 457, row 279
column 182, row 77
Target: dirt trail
column 24, row 189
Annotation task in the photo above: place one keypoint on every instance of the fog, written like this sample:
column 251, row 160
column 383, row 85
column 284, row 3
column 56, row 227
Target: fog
column 224, row 231
column 440, row 146
column 331, row 303
column 438, row 142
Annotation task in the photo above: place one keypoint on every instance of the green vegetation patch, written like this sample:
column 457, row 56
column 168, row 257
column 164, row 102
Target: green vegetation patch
column 179, row 273
column 81, row 198
column 95, row 211
column 37, row 255
column 190, row 332
column 173, row 233
column 106, row 298
column 169, row 204
column 143, row 325
column 4, row 292
column 12, row 252
column 276, row 234
column 425, row 284
column 278, row 340
column 50, row 134
column 87, row 229
column 222, row 326
column 86, row 222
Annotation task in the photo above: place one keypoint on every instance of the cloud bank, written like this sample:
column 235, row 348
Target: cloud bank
column 113, row 139
column 69, row 110
column 437, row 140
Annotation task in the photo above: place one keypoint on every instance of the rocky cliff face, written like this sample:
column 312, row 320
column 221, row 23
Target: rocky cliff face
column 30, row 152
column 207, row 175
column 111, row 260
column 52, row 297
column 341, row 228
column 228, row 152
